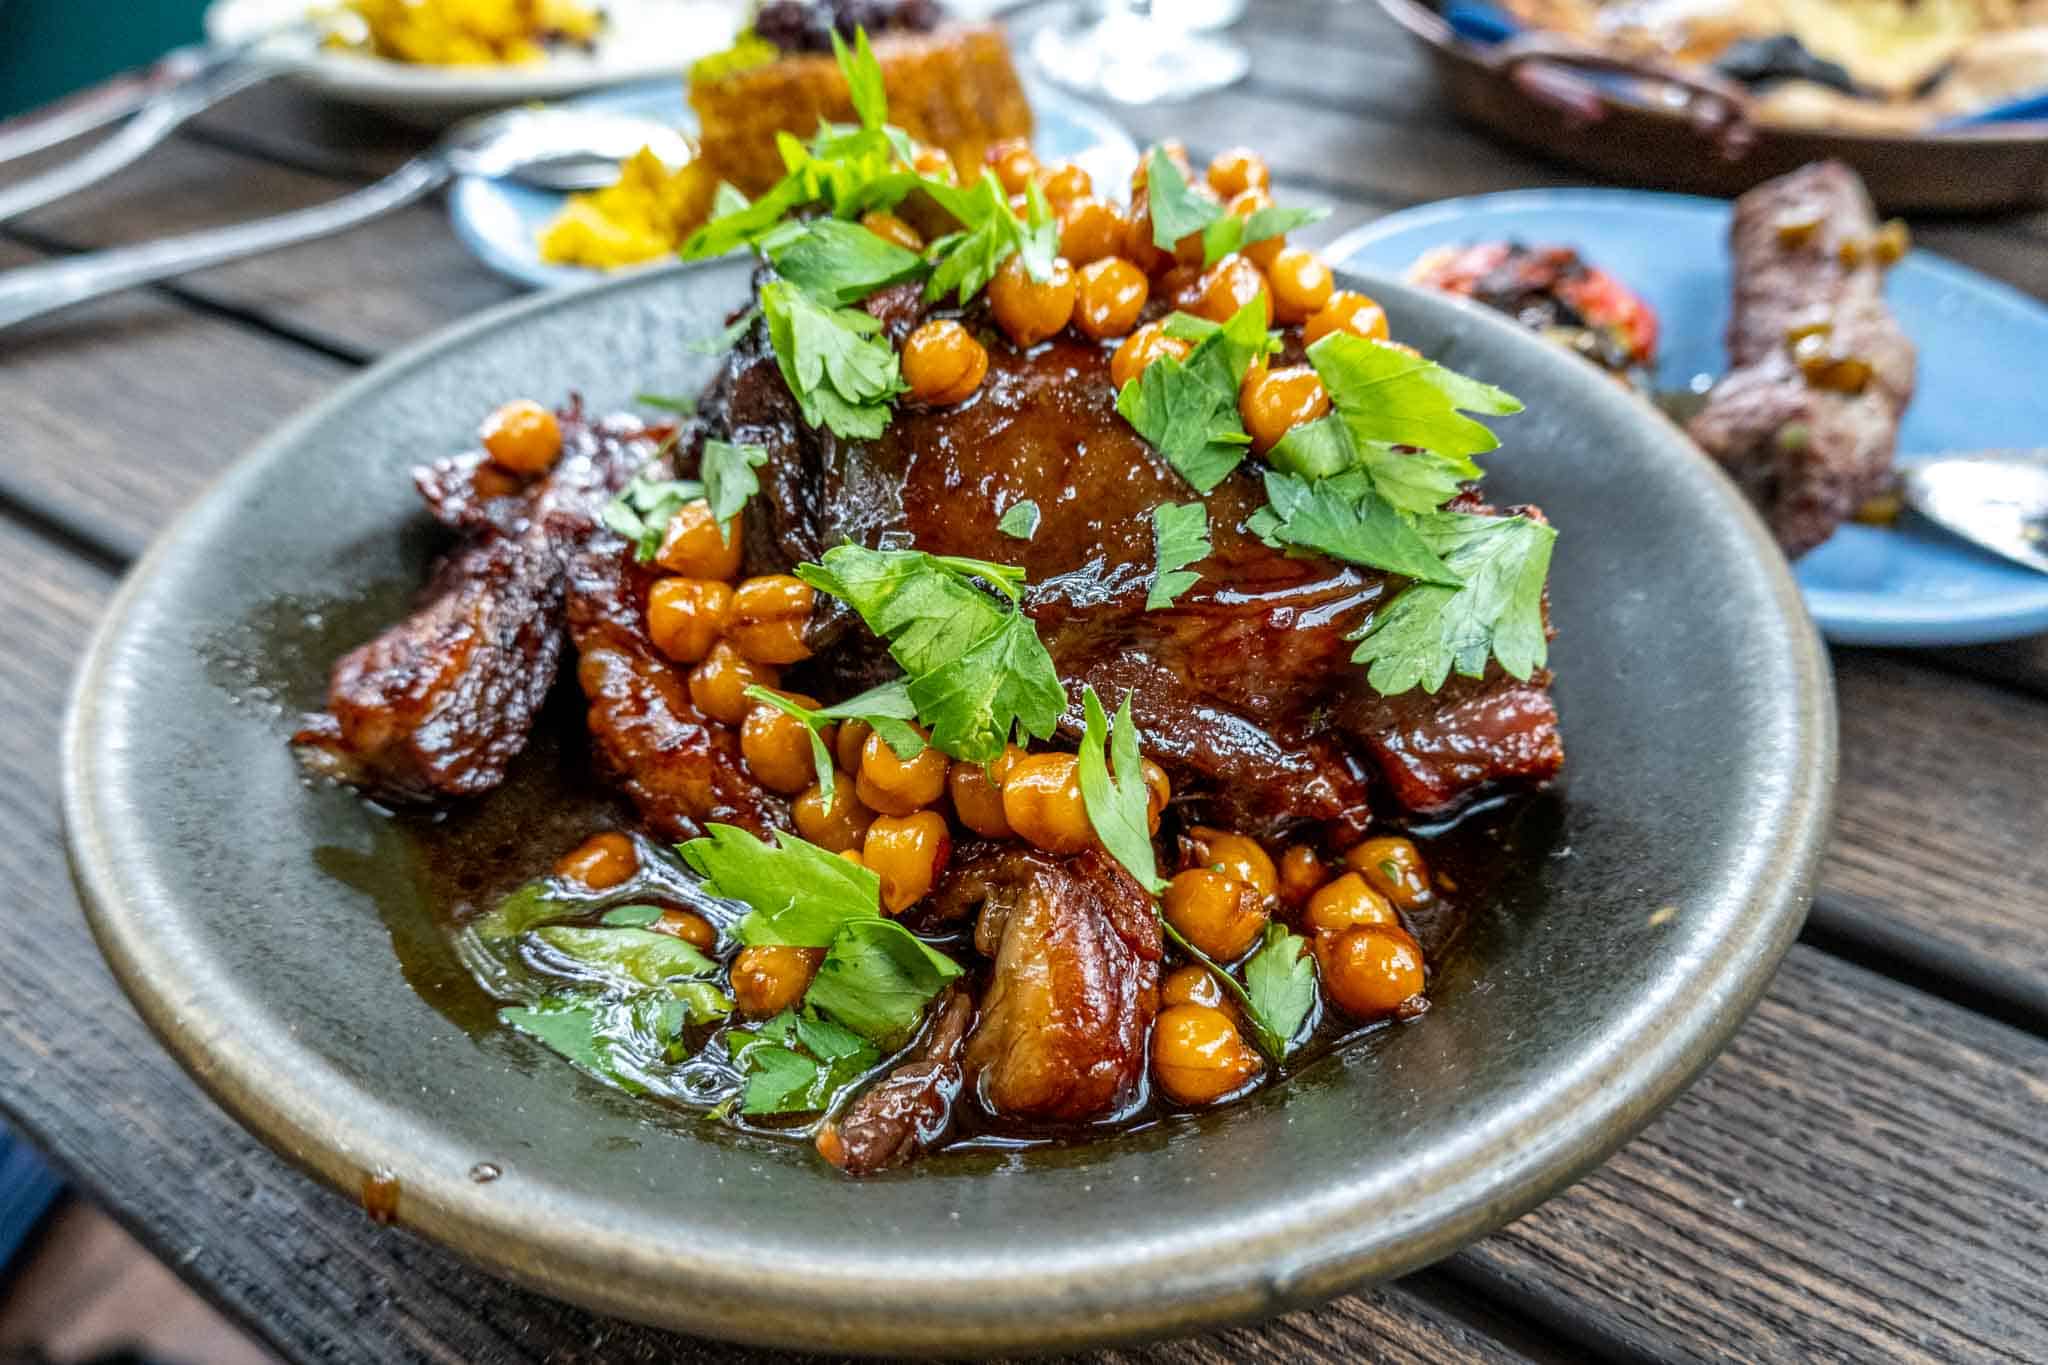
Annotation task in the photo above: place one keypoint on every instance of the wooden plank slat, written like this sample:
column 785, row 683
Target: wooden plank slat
column 114, row 414
column 1938, row 856
column 357, row 293
column 1887, row 1196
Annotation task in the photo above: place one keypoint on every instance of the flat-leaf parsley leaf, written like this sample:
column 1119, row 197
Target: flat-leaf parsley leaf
column 1430, row 630
column 1180, row 537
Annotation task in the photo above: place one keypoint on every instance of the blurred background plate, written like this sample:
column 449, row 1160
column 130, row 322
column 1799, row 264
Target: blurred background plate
column 1988, row 166
column 642, row 39
column 499, row 221
column 1909, row 585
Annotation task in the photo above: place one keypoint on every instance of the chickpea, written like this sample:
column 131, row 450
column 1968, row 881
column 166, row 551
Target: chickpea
column 698, row 547
column 1217, row 913
column 890, row 228
column 1393, row 867
column 893, row 787
column 600, row 862
column 1225, row 287
column 934, row 164
column 1090, row 229
column 1192, row 985
column 1301, row 873
column 852, row 855
column 718, row 686
column 835, row 825
column 1111, row 294
column 777, row 746
column 1138, row 246
column 1235, row 855
column 1013, row 162
column 1042, row 801
column 1140, row 349
column 522, row 436
column 768, row 979
column 1301, row 283
column 769, row 614
column 1263, row 252
column 1370, row 971
column 1346, row 311
column 1027, row 309
column 1198, row 1056
column 1158, row 791
column 853, row 737
column 1063, row 182
column 1346, row 903
column 943, row 363
column 1280, row 401
column 1237, row 170
column 908, row 853
column 977, row 793
column 687, row 615
column 689, row 926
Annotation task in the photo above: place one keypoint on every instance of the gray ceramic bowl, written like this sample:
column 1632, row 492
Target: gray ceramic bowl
column 254, row 918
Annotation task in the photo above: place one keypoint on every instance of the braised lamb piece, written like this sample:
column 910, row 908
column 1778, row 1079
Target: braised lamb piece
column 439, row 704
column 1244, row 688
column 1807, row 418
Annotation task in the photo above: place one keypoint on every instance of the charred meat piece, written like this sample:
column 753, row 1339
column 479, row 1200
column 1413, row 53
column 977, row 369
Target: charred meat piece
column 909, row 1110
column 1244, row 688
column 438, row 704
column 1807, row 418
column 681, row 769
column 1075, row 986
column 1551, row 291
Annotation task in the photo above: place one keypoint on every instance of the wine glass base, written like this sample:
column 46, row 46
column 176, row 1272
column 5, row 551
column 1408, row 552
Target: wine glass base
column 1135, row 60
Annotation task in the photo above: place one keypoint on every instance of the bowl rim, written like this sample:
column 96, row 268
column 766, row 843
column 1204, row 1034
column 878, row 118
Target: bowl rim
column 1297, row 1257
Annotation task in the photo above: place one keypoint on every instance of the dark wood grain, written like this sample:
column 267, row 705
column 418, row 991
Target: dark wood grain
column 356, row 294
column 114, row 414
column 1890, row 1201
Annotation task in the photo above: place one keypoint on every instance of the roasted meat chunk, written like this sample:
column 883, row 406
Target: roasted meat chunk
column 1244, row 688
column 438, row 704
column 1807, row 418
column 910, row 1109
column 681, row 769
column 1076, row 982
column 1553, row 292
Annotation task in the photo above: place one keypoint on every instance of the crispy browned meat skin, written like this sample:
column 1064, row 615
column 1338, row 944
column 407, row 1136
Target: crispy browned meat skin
column 909, row 1110
column 438, row 704
column 1076, row 984
column 1244, row 688
column 1809, row 457
column 680, row 768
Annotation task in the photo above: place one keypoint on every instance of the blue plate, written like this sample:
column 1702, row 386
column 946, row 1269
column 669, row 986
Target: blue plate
column 1911, row 585
column 499, row 221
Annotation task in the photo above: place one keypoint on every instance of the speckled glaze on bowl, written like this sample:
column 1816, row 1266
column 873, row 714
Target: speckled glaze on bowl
column 234, row 902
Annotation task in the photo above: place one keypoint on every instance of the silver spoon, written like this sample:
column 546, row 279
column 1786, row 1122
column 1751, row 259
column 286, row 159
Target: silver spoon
column 555, row 149
column 1994, row 498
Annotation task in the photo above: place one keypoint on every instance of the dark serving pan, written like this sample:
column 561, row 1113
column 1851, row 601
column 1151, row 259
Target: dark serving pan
column 1533, row 92
column 278, row 936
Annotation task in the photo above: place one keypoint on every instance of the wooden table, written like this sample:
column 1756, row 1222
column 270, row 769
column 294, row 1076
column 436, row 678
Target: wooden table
column 1863, row 1176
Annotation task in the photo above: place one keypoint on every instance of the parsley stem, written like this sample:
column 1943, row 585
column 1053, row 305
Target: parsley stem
column 1270, row 1043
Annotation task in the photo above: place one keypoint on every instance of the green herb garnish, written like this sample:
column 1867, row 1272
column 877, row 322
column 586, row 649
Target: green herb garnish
column 1119, row 804
column 1179, row 210
column 729, row 480
column 839, row 262
column 1188, row 409
column 965, row 261
column 798, row 1063
column 1020, row 522
column 977, row 671
column 1344, row 517
column 726, row 339
column 643, row 509
column 887, row 709
column 841, row 370
column 1180, row 537
column 876, row 978
column 631, row 917
column 680, row 404
column 1280, row 989
column 1431, row 630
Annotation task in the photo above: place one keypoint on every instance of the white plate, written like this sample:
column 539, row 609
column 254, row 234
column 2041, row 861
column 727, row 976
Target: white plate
column 642, row 39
